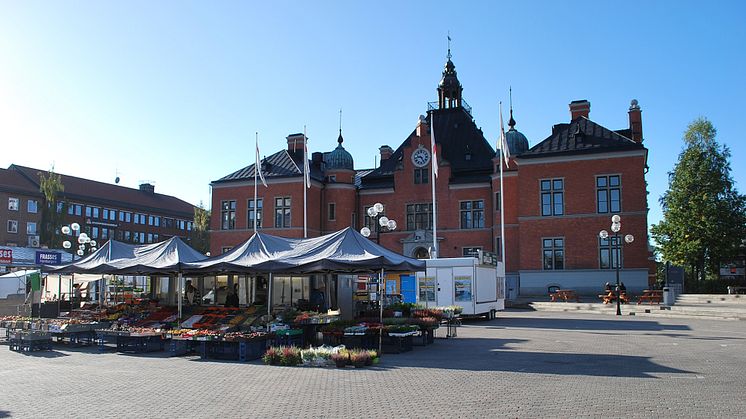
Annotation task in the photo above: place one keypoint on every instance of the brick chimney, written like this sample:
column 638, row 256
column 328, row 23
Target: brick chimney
column 579, row 108
column 386, row 152
column 635, row 121
column 295, row 143
column 147, row 187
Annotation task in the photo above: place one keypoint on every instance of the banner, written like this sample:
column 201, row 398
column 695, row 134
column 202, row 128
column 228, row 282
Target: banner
column 48, row 258
column 35, row 279
column 6, row 256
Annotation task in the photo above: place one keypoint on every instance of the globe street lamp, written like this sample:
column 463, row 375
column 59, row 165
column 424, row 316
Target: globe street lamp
column 84, row 242
column 616, row 249
column 382, row 223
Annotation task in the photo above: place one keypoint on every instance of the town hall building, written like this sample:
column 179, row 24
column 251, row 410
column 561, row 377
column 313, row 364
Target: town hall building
column 558, row 195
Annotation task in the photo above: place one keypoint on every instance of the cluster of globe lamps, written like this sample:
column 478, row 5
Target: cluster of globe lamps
column 83, row 239
column 376, row 212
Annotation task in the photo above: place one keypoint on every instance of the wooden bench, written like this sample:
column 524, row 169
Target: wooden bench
column 651, row 296
column 611, row 297
column 564, row 295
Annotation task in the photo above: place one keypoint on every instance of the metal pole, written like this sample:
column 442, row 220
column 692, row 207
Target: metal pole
column 178, row 287
column 618, row 293
column 269, row 299
column 381, row 291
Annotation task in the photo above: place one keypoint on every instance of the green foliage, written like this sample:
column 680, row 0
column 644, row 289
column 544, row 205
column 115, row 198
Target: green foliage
column 704, row 215
column 50, row 185
column 201, row 231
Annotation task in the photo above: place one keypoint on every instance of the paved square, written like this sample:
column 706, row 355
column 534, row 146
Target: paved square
column 523, row 364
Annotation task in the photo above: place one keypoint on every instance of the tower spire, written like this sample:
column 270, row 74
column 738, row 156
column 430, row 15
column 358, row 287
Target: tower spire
column 449, row 46
column 340, row 139
column 511, row 121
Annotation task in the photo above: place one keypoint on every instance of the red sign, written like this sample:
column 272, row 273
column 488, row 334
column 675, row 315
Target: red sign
column 6, row 256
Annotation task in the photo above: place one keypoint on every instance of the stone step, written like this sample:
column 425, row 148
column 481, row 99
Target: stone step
column 710, row 299
column 710, row 312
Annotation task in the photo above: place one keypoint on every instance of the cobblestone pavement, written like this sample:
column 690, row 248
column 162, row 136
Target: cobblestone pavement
column 523, row 364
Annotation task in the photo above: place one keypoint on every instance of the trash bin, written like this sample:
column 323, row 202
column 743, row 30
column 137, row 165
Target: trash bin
column 668, row 296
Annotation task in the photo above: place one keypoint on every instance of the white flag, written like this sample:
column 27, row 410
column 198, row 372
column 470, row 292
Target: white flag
column 503, row 145
column 433, row 149
column 258, row 167
column 306, row 168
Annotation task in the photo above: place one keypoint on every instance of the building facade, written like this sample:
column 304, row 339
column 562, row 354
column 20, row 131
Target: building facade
column 104, row 211
column 558, row 195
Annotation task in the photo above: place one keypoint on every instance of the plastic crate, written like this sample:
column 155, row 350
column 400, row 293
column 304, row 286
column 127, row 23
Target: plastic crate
column 140, row 344
column 396, row 344
column 179, row 347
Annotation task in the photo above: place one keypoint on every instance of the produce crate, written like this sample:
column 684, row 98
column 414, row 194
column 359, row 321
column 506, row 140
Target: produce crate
column 396, row 344
column 424, row 337
column 140, row 344
column 254, row 349
column 103, row 339
column 289, row 339
column 178, row 347
column 29, row 341
column 79, row 338
column 366, row 341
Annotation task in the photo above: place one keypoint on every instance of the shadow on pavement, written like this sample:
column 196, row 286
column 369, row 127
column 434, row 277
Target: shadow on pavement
column 44, row 354
column 493, row 355
column 601, row 325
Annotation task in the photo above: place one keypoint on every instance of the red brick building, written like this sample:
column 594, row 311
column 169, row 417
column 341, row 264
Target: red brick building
column 103, row 210
column 558, row 195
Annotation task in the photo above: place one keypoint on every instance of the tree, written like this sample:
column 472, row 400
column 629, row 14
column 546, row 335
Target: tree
column 201, row 231
column 50, row 185
column 704, row 216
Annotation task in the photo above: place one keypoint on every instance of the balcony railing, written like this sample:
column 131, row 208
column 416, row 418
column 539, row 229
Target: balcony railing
column 431, row 106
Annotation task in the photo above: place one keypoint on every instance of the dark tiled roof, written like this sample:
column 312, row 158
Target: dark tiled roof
column 360, row 174
column 14, row 182
column 279, row 165
column 581, row 136
column 107, row 194
column 458, row 136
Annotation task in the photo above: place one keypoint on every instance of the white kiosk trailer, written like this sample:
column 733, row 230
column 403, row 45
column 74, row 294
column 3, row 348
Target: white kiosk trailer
column 475, row 283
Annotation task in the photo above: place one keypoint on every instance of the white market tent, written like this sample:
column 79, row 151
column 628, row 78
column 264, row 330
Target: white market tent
column 14, row 282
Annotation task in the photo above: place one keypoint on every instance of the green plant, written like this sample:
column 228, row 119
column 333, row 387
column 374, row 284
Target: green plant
column 360, row 358
column 290, row 356
column 272, row 356
column 341, row 358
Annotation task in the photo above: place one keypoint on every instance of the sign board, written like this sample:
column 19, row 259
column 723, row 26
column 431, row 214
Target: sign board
column 48, row 258
column 462, row 288
column 6, row 256
column 487, row 258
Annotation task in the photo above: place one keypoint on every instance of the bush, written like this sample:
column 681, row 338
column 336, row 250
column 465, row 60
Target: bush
column 272, row 356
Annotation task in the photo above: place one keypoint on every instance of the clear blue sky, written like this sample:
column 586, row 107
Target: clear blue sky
column 173, row 91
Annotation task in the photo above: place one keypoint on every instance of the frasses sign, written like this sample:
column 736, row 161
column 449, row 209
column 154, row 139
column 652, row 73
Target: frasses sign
column 48, row 258
column 6, row 256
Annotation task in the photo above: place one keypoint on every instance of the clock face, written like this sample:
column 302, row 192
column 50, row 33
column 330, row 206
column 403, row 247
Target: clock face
column 421, row 157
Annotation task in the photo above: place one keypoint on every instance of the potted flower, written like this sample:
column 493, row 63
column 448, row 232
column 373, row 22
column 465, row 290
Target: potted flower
column 341, row 359
column 272, row 356
column 372, row 358
column 360, row 358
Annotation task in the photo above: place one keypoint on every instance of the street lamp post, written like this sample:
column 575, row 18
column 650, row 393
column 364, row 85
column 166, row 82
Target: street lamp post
column 85, row 244
column 381, row 222
column 616, row 249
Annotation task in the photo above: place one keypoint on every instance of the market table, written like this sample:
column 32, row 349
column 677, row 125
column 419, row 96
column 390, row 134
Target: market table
column 235, row 350
column 130, row 342
column 29, row 341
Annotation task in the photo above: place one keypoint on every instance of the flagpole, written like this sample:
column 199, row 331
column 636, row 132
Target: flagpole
column 502, row 195
column 433, row 175
column 305, row 180
column 256, row 171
